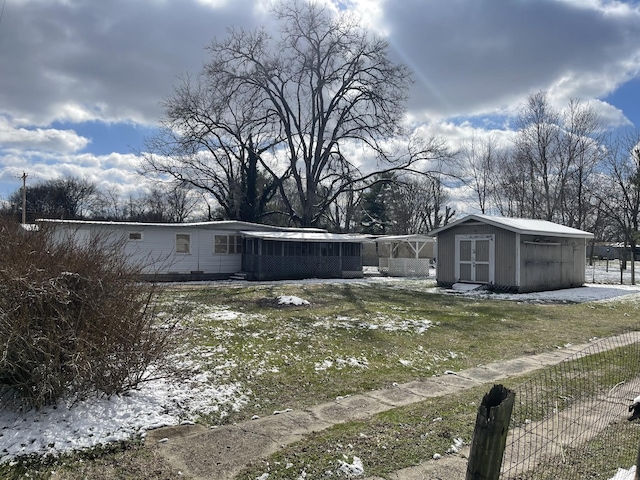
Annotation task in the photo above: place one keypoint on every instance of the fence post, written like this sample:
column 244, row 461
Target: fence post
column 490, row 434
column 637, row 475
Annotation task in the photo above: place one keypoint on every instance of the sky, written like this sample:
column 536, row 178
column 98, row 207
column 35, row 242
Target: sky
column 82, row 83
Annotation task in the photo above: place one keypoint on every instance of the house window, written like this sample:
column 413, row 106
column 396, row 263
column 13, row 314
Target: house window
column 135, row 236
column 183, row 243
column 220, row 244
column 227, row 244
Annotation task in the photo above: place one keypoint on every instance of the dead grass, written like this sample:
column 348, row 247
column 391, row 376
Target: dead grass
column 353, row 338
column 125, row 460
column 356, row 337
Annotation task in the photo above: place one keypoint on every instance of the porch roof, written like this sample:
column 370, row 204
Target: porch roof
column 307, row 237
column 405, row 238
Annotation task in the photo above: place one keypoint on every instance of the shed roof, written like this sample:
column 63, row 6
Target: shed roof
column 307, row 236
column 520, row 225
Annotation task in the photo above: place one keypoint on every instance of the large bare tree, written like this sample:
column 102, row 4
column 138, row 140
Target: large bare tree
column 212, row 138
column 294, row 104
column 536, row 153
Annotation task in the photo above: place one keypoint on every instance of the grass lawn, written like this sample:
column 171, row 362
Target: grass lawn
column 351, row 338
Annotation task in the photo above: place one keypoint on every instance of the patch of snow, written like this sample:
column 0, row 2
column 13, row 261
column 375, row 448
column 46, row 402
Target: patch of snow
column 291, row 300
column 353, row 469
column 324, row 365
column 341, row 363
column 623, row 474
column 456, row 447
column 95, row 421
column 280, row 412
column 591, row 292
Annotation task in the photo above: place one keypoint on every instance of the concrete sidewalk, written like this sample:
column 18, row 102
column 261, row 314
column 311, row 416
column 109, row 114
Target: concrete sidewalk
column 221, row 453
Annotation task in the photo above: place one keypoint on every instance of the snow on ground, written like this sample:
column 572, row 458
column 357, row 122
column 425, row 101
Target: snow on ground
column 159, row 403
column 589, row 293
column 291, row 300
column 623, row 474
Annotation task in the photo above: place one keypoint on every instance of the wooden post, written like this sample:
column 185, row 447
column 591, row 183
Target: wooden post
column 490, row 434
column 24, row 198
column 637, row 475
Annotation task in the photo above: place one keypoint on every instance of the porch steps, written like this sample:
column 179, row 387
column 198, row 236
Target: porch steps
column 238, row 276
column 466, row 287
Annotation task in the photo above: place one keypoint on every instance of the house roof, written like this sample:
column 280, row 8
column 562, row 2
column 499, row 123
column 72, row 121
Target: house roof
column 307, row 236
column 520, row 225
column 222, row 224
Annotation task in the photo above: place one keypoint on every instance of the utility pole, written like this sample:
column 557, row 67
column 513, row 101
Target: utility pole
column 24, row 198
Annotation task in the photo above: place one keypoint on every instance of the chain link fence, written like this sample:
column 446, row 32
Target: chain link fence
column 570, row 421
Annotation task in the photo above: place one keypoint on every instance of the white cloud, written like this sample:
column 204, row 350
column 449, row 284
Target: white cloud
column 114, row 173
column 40, row 139
column 122, row 54
column 473, row 60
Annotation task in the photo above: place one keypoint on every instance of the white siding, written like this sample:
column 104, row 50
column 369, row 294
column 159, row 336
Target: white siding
column 156, row 251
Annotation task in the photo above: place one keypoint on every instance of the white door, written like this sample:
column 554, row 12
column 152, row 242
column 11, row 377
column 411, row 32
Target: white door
column 474, row 258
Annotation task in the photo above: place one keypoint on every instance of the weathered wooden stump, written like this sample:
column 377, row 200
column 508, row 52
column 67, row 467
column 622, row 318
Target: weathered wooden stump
column 490, row 434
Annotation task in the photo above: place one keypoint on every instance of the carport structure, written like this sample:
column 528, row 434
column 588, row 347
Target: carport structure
column 405, row 255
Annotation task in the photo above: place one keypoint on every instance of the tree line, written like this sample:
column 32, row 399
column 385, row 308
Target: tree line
column 308, row 128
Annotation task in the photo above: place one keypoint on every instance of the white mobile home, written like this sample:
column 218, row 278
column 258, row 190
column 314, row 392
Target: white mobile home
column 214, row 250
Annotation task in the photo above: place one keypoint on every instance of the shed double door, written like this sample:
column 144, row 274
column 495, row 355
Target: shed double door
column 474, row 258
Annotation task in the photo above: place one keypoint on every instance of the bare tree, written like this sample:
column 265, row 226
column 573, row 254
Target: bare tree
column 342, row 216
column 166, row 203
column 479, row 158
column 435, row 212
column 407, row 204
column 291, row 104
column 549, row 173
column 213, row 137
column 68, row 198
column 623, row 199
column 581, row 146
column 536, row 153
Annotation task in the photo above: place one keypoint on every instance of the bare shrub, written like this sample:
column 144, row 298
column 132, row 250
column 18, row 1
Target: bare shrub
column 74, row 320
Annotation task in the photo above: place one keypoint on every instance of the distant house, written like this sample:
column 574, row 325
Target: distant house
column 605, row 251
column 218, row 250
column 405, row 255
column 510, row 254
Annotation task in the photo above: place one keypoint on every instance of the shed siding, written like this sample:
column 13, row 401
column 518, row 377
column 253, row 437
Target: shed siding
column 545, row 263
column 552, row 264
column 505, row 253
